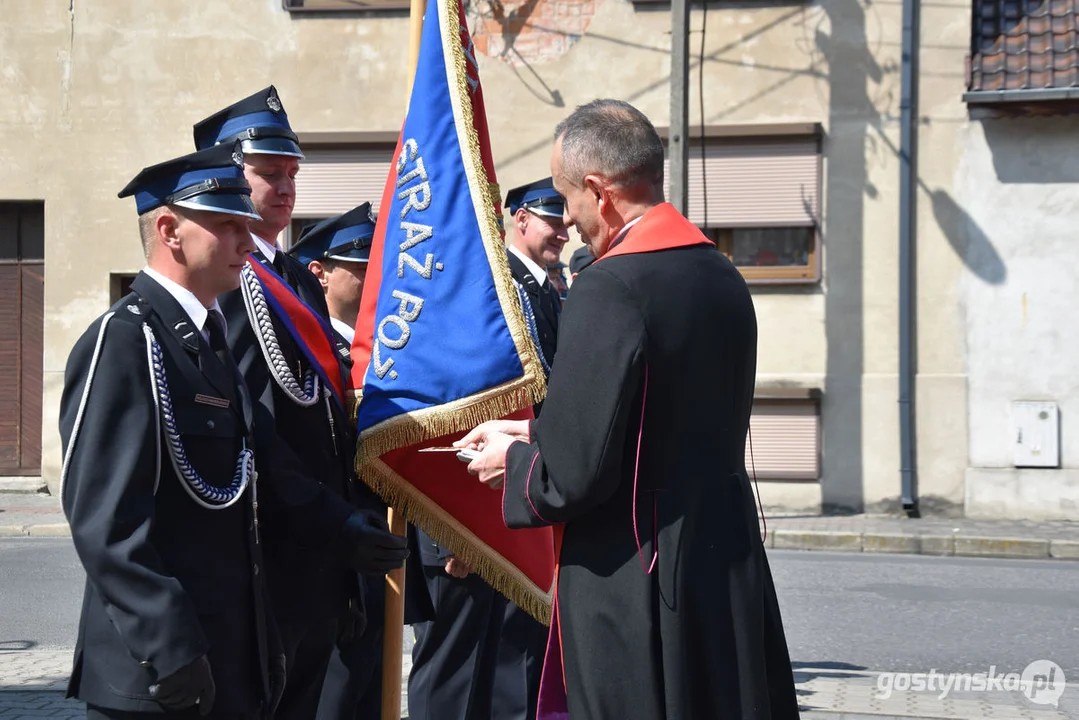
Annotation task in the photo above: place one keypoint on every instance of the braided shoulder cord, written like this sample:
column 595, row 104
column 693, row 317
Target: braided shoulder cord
column 530, row 319
column 202, row 492
column 258, row 314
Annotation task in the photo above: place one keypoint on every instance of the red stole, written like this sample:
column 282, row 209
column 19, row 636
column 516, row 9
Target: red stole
column 661, row 228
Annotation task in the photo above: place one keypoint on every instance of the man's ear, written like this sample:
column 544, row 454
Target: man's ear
column 319, row 271
column 167, row 226
column 600, row 189
column 520, row 220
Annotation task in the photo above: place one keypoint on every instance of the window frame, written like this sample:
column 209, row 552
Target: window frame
column 806, row 274
column 345, row 7
column 722, row 236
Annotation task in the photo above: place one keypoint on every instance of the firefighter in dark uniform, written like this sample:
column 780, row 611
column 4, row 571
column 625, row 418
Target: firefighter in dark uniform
column 336, row 252
column 480, row 656
column 320, row 531
column 158, row 481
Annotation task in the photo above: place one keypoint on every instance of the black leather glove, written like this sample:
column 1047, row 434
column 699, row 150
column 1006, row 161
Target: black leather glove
column 189, row 685
column 352, row 623
column 277, row 682
column 368, row 546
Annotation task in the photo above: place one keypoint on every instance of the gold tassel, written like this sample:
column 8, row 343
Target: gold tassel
column 439, row 525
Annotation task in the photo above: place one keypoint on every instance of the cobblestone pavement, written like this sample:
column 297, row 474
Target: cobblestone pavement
column 32, row 685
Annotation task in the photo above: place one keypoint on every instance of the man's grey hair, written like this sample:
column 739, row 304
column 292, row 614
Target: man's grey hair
column 613, row 139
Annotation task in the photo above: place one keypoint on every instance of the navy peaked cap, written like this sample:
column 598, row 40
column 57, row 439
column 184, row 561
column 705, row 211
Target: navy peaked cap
column 538, row 197
column 258, row 121
column 346, row 237
column 210, row 180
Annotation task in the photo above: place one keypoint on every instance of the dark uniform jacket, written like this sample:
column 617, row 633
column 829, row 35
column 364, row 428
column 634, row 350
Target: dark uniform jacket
column 314, row 448
column 671, row 336
column 168, row 580
column 546, row 306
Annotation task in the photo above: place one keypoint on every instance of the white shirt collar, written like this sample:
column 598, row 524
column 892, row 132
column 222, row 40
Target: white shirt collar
column 343, row 329
column 267, row 249
column 537, row 272
column 190, row 304
column 625, row 229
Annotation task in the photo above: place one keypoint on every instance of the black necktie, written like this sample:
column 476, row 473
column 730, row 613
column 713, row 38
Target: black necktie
column 215, row 327
column 279, row 265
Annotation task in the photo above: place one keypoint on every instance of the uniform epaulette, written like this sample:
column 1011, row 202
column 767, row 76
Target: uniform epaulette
column 132, row 308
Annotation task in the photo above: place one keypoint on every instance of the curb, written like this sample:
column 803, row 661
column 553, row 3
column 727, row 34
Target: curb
column 943, row 545
column 52, row 530
column 830, row 541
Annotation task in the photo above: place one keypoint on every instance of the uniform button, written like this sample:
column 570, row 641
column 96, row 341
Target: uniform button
column 256, row 568
column 145, row 663
column 210, row 424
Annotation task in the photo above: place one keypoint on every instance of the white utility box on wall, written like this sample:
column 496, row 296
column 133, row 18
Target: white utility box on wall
column 1036, row 434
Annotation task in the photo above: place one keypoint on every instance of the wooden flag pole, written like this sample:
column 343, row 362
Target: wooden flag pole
column 394, row 627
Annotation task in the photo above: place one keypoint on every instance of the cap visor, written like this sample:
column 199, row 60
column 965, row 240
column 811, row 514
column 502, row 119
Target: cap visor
column 227, row 203
column 271, row 146
column 546, row 211
column 354, row 256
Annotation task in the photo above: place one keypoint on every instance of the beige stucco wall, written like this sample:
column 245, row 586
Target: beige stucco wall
column 106, row 87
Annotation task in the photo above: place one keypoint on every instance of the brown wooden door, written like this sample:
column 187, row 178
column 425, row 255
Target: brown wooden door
column 22, row 323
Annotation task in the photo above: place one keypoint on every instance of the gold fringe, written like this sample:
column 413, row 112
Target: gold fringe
column 480, row 185
column 444, row 529
column 459, row 416
column 464, row 414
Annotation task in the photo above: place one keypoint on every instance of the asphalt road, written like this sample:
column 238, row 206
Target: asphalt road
column 845, row 611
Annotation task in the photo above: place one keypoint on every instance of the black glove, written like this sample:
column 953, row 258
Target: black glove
column 368, row 546
column 187, row 686
column 277, row 682
column 352, row 623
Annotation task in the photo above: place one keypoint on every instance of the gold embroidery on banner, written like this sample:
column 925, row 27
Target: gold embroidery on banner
column 464, row 414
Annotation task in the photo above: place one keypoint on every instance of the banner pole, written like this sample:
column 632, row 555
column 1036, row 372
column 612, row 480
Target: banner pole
column 394, row 627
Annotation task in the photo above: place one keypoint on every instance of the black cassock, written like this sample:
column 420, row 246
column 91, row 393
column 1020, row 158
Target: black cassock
column 700, row 636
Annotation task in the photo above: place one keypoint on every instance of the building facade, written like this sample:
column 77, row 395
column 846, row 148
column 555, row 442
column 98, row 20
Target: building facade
column 794, row 172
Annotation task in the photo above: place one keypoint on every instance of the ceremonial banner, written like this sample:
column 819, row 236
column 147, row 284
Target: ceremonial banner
column 441, row 342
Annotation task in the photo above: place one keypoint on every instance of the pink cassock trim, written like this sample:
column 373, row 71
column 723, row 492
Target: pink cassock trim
column 636, row 471
column 528, row 496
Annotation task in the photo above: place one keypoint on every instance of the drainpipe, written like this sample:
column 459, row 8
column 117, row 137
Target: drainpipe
column 908, row 179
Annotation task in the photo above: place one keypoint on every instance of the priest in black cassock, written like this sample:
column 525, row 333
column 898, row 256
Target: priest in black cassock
column 665, row 606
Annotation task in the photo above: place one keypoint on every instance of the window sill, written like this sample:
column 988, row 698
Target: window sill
column 779, row 276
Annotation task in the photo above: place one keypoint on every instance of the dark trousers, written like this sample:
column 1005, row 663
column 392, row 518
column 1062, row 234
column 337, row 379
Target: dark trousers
column 97, row 713
column 308, row 646
column 520, row 663
column 454, row 658
column 353, row 686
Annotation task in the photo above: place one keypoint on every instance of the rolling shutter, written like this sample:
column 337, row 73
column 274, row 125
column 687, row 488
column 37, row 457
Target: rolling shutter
column 331, row 182
column 766, row 183
column 785, row 440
